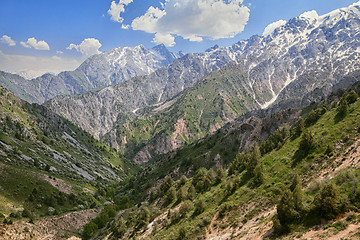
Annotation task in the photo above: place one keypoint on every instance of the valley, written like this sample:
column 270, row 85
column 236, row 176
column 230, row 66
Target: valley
column 256, row 140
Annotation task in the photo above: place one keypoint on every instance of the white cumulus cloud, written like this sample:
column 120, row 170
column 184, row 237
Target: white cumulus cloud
column 194, row 20
column 116, row 9
column 272, row 26
column 125, row 26
column 88, row 47
column 31, row 67
column 7, row 40
column 38, row 45
column 166, row 39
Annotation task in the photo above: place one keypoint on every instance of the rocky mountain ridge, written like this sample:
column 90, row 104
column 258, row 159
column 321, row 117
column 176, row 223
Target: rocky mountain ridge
column 32, row 136
column 112, row 67
column 98, row 112
column 306, row 55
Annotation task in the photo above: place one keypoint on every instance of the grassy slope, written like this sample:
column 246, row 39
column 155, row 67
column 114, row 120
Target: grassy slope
column 36, row 143
column 210, row 104
column 238, row 207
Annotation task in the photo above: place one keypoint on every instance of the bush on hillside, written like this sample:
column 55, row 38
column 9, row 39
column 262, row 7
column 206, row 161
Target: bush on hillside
column 119, row 227
column 307, row 141
column 351, row 97
column 327, row 203
column 89, row 230
column 185, row 207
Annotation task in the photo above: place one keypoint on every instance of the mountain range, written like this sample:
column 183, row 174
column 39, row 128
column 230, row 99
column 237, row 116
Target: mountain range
column 101, row 70
column 257, row 140
column 289, row 67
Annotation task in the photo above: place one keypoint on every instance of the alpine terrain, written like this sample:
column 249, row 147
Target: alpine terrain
column 104, row 69
column 296, row 64
column 257, row 140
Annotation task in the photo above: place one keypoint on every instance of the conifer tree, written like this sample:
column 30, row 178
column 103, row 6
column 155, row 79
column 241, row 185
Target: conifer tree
column 299, row 128
column 307, row 141
column 254, row 160
column 328, row 202
column 342, row 107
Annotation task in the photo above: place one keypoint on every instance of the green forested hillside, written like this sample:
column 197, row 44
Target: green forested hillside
column 218, row 99
column 283, row 185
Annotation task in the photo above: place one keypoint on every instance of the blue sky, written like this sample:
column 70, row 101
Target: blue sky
column 42, row 35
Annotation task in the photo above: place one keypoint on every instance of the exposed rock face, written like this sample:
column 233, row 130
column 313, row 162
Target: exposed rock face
column 304, row 56
column 105, row 69
column 98, row 112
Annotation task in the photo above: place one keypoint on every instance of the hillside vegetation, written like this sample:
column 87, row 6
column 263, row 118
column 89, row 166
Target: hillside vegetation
column 218, row 99
column 48, row 165
column 302, row 175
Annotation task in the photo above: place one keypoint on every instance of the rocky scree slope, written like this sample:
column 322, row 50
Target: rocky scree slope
column 304, row 55
column 34, row 137
column 101, row 70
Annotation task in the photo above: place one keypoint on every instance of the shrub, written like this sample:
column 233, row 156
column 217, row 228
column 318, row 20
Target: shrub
column 199, row 207
column 220, row 174
column 143, row 217
column 104, row 217
column 224, row 209
column 351, row 97
column 191, row 192
column 181, row 194
column 329, row 150
column 182, row 180
column 182, row 233
column 27, row 213
column 315, row 115
column 342, row 108
column 47, row 167
column 166, row 185
column 185, row 207
column 203, row 179
column 285, row 209
column 254, row 160
column 259, row 177
column 89, row 230
column 276, row 140
column 278, row 228
column 119, row 227
column 15, row 214
column 299, row 128
column 294, row 182
column 170, row 195
column 290, row 209
column 124, row 202
column 101, row 220
column 307, row 141
column 240, row 162
column 327, row 203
